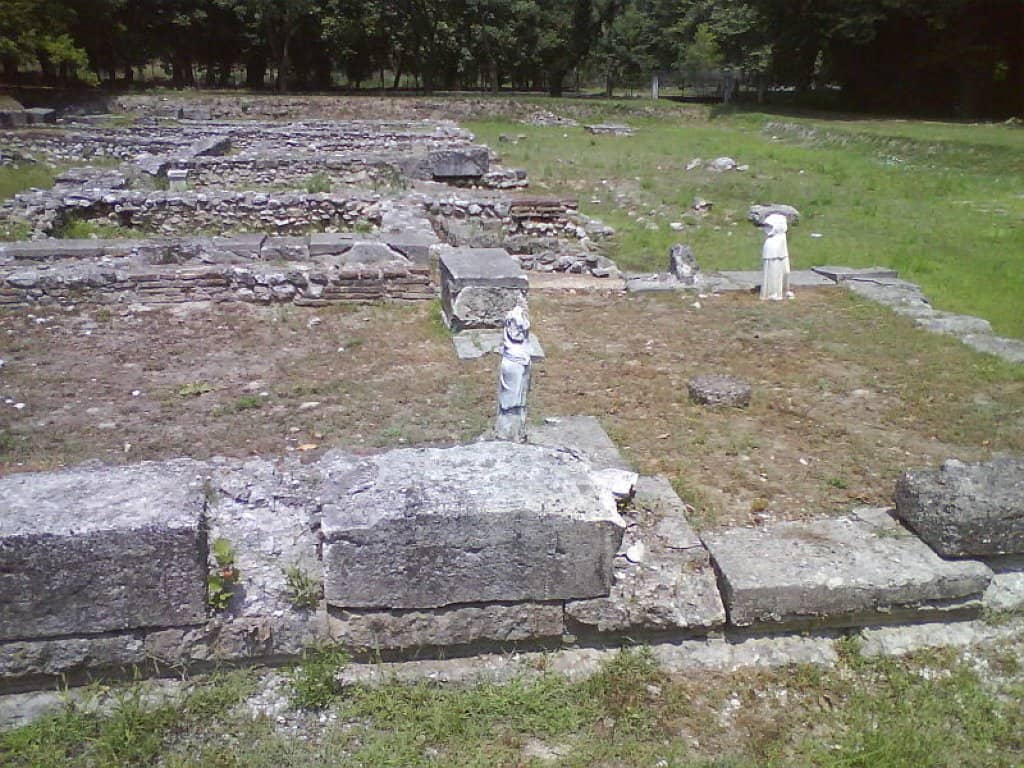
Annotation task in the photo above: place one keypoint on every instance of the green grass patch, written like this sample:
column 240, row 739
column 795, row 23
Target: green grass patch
column 84, row 229
column 929, row 709
column 15, row 179
column 939, row 202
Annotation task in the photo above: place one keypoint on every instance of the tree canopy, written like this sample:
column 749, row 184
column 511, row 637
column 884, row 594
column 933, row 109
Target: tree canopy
column 961, row 57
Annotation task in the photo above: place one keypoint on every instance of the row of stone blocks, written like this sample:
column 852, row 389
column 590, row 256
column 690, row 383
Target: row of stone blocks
column 491, row 543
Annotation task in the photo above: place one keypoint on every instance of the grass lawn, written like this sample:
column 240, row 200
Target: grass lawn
column 941, row 203
column 932, row 709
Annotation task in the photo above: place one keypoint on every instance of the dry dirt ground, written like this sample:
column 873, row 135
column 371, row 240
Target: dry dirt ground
column 846, row 394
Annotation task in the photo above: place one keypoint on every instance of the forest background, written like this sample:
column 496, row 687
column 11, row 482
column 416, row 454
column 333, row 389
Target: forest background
column 959, row 58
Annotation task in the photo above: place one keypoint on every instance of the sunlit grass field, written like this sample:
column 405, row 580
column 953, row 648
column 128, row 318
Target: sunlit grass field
column 941, row 203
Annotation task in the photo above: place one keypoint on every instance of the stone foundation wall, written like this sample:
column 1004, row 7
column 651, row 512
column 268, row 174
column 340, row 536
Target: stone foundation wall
column 184, row 214
column 577, row 567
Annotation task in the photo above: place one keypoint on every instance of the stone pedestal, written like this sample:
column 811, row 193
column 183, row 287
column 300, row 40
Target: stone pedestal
column 479, row 286
column 177, row 180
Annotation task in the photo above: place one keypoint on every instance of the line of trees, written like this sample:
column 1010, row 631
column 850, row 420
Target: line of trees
column 954, row 56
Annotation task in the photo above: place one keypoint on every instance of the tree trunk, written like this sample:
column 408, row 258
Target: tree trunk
column 255, row 70
column 555, row 79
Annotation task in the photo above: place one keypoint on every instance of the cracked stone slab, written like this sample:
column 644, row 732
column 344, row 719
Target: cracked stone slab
column 487, row 522
column 479, row 286
column 583, row 435
column 863, row 568
column 672, row 586
column 475, row 343
column 965, row 510
column 841, row 274
column 84, row 551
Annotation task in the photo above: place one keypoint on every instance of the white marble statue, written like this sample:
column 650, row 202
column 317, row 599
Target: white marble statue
column 514, row 377
column 775, row 258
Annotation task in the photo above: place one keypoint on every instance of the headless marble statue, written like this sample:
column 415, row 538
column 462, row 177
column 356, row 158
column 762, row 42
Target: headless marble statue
column 514, row 377
column 775, row 258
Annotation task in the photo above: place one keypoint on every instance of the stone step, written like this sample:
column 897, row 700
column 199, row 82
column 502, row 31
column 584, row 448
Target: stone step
column 857, row 570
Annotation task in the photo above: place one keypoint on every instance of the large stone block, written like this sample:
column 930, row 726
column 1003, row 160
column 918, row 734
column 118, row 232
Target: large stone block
column 966, row 509
column 97, row 550
column 462, row 162
column 479, row 286
column 488, row 522
column 863, row 568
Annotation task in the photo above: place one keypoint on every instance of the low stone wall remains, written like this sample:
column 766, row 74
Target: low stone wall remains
column 448, row 552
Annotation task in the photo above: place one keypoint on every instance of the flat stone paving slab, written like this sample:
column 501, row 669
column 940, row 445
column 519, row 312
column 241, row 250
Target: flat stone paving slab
column 487, row 522
column 861, row 569
column 841, row 274
column 748, row 280
column 84, row 551
column 477, row 342
column 581, row 434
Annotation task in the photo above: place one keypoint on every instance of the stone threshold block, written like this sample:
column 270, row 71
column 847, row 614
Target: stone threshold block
column 664, row 580
column 488, row 522
column 479, row 286
column 966, row 510
column 84, row 551
column 851, row 571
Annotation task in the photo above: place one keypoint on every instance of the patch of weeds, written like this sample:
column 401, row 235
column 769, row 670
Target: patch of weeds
column 15, row 229
column 318, row 183
column 836, row 482
column 623, row 689
column 362, row 227
column 313, row 677
column 6, row 441
column 104, row 315
column 304, row 590
column 194, row 389
column 15, row 179
column 436, row 326
column 90, row 229
column 220, row 584
column 246, row 403
column 701, row 511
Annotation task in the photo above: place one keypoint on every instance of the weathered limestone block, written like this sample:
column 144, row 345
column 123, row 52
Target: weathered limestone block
column 461, row 162
column 96, row 550
column 966, row 509
column 479, row 286
column 444, row 627
column 864, row 568
column 758, row 213
column 488, row 522
column 669, row 584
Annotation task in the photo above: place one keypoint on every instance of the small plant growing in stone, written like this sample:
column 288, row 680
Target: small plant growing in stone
column 220, row 584
column 304, row 590
column 318, row 182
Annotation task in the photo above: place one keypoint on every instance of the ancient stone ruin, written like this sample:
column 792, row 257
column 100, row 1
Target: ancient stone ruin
column 502, row 545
